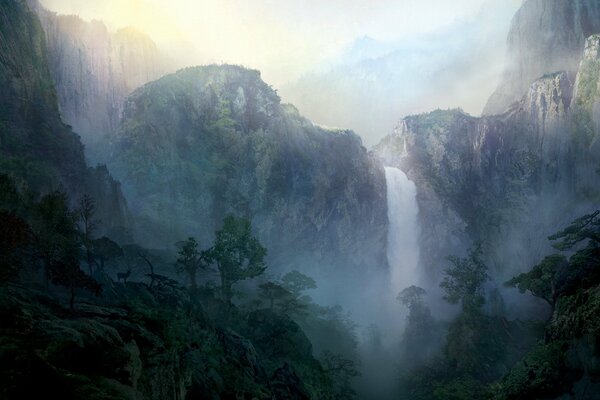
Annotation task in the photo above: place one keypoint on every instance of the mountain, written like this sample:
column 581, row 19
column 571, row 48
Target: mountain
column 94, row 70
column 528, row 170
column 37, row 148
column 133, row 340
column 546, row 36
column 207, row 141
column 374, row 81
column 505, row 183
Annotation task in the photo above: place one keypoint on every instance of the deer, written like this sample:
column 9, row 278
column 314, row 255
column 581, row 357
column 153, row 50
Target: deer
column 123, row 275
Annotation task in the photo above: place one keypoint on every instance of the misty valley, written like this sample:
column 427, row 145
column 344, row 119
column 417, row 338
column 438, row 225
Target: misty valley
column 180, row 220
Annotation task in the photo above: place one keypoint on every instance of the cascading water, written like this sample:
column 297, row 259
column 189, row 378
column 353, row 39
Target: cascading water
column 379, row 372
column 403, row 230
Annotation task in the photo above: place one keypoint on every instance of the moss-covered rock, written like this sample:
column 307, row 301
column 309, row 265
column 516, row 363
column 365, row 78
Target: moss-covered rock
column 207, row 141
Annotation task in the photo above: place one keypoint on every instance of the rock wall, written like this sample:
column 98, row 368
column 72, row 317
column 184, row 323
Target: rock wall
column 504, row 179
column 37, row 149
column 207, row 141
column 546, row 36
column 94, row 70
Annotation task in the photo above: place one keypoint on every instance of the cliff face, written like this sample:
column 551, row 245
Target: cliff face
column 94, row 70
column 504, row 179
column 546, row 36
column 207, row 141
column 36, row 148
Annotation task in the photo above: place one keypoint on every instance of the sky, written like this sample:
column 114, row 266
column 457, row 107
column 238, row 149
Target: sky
column 289, row 39
column 282, row 38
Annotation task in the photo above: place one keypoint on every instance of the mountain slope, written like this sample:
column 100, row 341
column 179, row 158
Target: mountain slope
column 207, row 141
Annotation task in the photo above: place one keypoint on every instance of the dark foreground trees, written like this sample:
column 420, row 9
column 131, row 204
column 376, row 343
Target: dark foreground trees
column 237, row 253
column 190, row 260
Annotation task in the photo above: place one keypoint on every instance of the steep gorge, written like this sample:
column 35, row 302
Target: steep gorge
column 94, row 70
column 37, row 148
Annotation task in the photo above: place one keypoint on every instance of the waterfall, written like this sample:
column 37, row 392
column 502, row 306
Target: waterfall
column 403, row 230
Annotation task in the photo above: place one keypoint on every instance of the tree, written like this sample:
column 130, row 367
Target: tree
column 190, row 259
column 273, row 292
column 420, row 333
column 296, row 282
column 66, row 272
column 105, row 249
column 87, row 226
column 464, row 281
column 541, row 280
column 237, row 253
column 583, row 228
column 14, row 237
column 411, row 297
column 341, row 371
column 53, row 230
column 10, row 199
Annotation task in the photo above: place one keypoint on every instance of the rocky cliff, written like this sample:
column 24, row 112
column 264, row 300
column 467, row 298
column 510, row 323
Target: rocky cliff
column 503, row 179
column 94, row 70
column 36, row 147
column 207, row 141
column 546, row 36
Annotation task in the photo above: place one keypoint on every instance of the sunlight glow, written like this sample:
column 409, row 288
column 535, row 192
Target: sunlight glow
column 281, row 38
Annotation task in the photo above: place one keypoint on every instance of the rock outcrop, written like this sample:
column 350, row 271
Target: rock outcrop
column 94, row 70
column 546, row 36
column 207, row 141
column 505, row 178
column 141, row 343
column 36, row 148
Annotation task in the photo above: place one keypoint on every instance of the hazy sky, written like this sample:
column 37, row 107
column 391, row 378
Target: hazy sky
column 282, row 38
column 452, row 51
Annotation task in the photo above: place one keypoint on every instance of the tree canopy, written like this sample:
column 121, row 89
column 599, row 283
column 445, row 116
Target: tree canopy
column 237, row 253
column 464, row 280
column 190, row 259
column 541, row 280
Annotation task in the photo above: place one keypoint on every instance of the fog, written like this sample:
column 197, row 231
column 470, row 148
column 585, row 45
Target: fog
column 353, row 64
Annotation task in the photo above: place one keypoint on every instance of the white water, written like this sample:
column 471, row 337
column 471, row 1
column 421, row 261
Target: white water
column 380, row 373
column 403, row 230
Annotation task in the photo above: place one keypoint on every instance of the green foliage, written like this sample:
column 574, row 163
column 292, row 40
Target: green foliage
column 585, row 228
column 342, row 371
column 87, row 227
column 237, row 253
column 464, row 281
column 411, row 297
column 53, row 227
column 190, row 260
column 576, row 315
column 297, row 283
column 540, row 374
column 541, row 280
column 105, row 249
column 477, row 345
column 272, row 292
column 10, row 198
column 281, row 299
column 420, row 337
column 462, row 388
column 14, row 238
column 66, row 272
